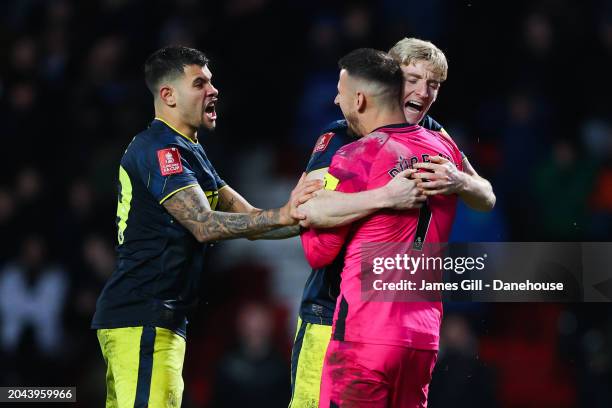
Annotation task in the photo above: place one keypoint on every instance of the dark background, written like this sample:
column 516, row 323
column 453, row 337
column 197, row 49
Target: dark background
column 527, row 100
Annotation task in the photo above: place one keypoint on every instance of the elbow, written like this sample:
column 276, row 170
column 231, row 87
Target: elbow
column 317, row 262
column 487, row 204
column 480, row 197
column 204, row 230
column 320, row 256
column 203, row 239
column 318, row 250
column 316, row 257
column 491, row 202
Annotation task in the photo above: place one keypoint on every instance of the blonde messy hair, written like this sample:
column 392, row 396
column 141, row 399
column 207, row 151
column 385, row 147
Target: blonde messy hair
column 410, row 50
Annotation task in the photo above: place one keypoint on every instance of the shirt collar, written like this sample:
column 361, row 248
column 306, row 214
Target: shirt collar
column 176, row 130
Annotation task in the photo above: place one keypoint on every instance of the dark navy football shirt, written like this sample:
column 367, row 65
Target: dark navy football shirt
column 159, row 262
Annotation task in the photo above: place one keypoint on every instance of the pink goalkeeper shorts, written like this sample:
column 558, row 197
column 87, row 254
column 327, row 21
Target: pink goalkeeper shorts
column 375, row 376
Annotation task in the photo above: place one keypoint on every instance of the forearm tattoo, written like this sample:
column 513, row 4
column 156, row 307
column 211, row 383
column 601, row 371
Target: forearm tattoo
column 191, row 210
column 279, row 233
column 227, row 205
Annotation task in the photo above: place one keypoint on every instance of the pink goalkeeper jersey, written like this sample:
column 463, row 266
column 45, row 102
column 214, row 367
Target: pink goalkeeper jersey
column 367, row 164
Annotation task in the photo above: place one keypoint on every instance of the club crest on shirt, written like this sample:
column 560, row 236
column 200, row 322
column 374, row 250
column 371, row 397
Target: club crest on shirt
column 323, row 142
column 169, row 161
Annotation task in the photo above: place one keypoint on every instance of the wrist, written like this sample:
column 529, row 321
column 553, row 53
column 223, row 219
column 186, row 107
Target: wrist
column 284, row 217
column 382, row 198
column 464, row 183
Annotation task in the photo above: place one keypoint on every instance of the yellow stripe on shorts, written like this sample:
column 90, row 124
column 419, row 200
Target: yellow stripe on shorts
column 144, row 366
column 309, row 362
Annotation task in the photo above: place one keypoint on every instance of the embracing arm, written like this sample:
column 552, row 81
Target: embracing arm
column 231, row 201
column 190, row 207
column 443, row 177
column 329, row 208
column 321, row 247
column 477, row 192
column 279, row 233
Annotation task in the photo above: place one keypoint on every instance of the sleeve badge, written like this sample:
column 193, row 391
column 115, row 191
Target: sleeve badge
column 323, row 142
column 169, row 161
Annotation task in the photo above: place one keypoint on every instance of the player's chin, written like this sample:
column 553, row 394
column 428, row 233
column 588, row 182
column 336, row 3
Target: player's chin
column 209, row 123
column 413, row 117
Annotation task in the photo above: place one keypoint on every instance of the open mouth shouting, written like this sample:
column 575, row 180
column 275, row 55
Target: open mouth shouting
column 210, row 110
column 413, row 106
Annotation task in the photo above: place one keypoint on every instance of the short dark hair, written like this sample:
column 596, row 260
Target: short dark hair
column 169, row 62
column 376, row 66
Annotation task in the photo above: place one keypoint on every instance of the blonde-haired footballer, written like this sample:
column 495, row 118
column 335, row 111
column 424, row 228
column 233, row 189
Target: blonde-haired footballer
column 425, row 68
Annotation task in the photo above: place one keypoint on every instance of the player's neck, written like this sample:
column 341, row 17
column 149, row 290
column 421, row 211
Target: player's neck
column 177, row 124
column 383, row 118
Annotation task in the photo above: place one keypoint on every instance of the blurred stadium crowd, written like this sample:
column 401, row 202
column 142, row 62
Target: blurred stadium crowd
column 527, row 99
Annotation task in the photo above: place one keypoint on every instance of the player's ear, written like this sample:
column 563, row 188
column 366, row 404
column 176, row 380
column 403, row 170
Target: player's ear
column 360, row 102
column 167, row 95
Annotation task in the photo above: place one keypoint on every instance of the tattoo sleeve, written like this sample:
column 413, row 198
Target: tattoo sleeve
column 227, row 205
column 279, row 233
column 190, row 207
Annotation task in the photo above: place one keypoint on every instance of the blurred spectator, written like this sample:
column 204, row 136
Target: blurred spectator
column 98, row 265
column 28, row 186
column 521, row 343
column 524, row 144
column 253, row 374
column 357, row 26
column 460, row 379
column 56, row 57
column 601, row 205
column 24, row 58
column 428, row 19
column 316, row 104
column 7, row 222
column 561, row 185
column 589, row 336
column 538, row 35
column 78, row 218
column 597, row 137
column 32, row 294
column 32, row 201
column 473, row 226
